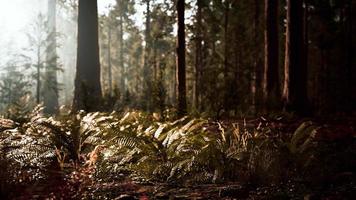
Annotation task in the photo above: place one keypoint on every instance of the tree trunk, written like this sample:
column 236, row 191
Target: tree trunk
column 226, row 55
column 87, row 92
column 51, row 86
column 271, row 86
column 349, row 58
column 121, row 56
column 295, row 71
column 38, row 76
column 257, row 75
column 198, row 57
column 305, row 34
column 109, row 61
column 147, row 72
column 181, row 87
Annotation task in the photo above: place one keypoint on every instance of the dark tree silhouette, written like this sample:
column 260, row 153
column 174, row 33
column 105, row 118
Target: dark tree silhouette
column 271, row 84
column 181, row 86
column 87, row 93
column 295, row 71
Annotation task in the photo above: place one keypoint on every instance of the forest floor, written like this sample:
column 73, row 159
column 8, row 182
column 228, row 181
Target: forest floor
column 340, row 183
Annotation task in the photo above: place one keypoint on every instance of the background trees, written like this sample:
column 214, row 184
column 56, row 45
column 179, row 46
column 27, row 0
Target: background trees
column 295, row 70
column 51, row 91
column 233, row 57
column 271, row 80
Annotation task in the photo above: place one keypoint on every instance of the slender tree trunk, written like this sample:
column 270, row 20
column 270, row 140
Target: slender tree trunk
column 51, row 86
column 155, row 61
column 226, row 55
column 305, row 34
column 350, row 84
column 121, row 56
column 87, row 92
column 182, row 103
column 271, row 86
column 295, row 77
column 38, row 76
column 198, row 57
column 109, row 61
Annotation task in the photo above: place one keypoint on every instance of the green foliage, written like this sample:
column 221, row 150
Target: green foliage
column 185, row 150
column 27, row 148
column 141, row 146
column 21, row 110
column 13, row 86
column 302, row 138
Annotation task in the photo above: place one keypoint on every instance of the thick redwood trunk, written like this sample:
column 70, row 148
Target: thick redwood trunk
column 295, row 80
column 87, row 93
column 271, row 84
column 181, row 87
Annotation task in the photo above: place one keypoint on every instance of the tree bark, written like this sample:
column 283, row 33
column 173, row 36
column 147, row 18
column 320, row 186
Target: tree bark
column 87, row 92
column 271, row 86
column 181, row 86
column 295, row 71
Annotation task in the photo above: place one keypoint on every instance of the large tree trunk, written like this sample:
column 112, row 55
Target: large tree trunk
column 295, row 71
column 87, row 93
column 257, row 74
column 271, row 84
column 182, row 102
column 147, row 72
column 349, row 59
column 51, row 86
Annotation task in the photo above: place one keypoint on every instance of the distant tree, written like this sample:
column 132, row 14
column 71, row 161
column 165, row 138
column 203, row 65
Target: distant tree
column 162, row 23
column 109, row 56
column 147, row 71
column 257, row 74
column 181, row 84
column 198, row 56
column 87, row 93
column 50, row 93
column 271, row 84
column 34, row 54
column 13, row 85
column 227, row 41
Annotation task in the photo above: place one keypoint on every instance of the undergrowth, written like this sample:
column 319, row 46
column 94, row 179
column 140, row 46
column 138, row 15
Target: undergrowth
column 140, row 146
